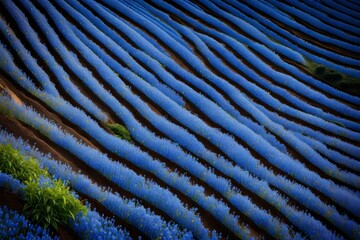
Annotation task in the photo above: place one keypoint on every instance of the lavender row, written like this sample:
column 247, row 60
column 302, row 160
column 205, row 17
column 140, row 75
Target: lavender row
column 62, row 76
column 315, row 22
column 286, row 38
column 344, row 10
column 268, row 10
column 326, row 19
column 350, row 5
column 326, row 139
column 43, row 78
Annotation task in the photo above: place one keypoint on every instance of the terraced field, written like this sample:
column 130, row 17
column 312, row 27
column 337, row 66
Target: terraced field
column 183, row 119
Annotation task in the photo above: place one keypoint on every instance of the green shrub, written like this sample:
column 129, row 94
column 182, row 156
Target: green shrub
column 334, row 78
column 119, row 131
column 12, row 162
column 48, row 201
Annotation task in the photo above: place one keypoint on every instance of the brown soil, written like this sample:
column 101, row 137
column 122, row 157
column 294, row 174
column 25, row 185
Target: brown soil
column 9, row 92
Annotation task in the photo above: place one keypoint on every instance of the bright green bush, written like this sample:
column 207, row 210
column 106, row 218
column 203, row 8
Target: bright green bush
column 13, row 163
column 119, row 131
column 48, row 201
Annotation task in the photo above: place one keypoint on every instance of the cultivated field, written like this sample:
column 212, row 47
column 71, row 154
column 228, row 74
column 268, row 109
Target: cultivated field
column 180, row 119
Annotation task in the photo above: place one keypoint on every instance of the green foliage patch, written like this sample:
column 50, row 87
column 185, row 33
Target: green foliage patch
column 49, row 202
column 13, row 163
column 334, row 78
column 119, row 131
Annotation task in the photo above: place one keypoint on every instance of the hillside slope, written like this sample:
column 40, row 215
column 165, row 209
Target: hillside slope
column 235, row 117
